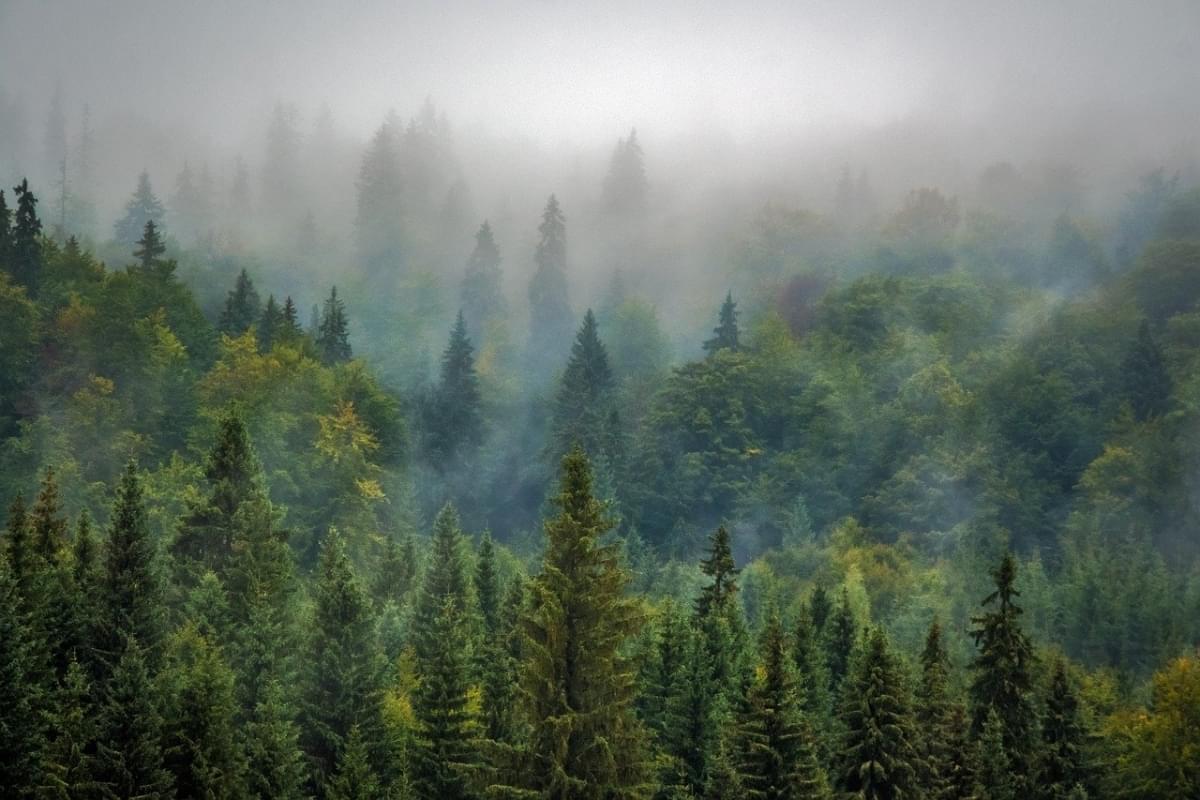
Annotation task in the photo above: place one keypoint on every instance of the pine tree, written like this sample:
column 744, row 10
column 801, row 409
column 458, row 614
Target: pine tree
column 841, row 634
column 933, row 713
column 80, row 640
column 354, row 778
column 726, row 333
column 487, row 586
column 443, row 755
column 583, row 404
column 25, row 244
column 129, row 760
column 1003, row 679
column 144, row 206
column 275, row 763
column 333, row 337
column 1061, row 764
column 70, row 765
column 693, row 712
column 130, row 597
column 720, row 568
column 21, row 554
column 454, row 426
column 290, row 328
column 150, row 248
column 343, row 676
column 668, row 642
column 551, row 319
column 482, row 294
column 270, row 325
column 584, row 741
column 242, row 307
column 995, row 776
column 777, row 757
column 879, row 754
column 203, row 749
column 960, row 764
column 21, row 697
column 812, row 677
column 396, row 571
column 1147, row 384
column 722, row 781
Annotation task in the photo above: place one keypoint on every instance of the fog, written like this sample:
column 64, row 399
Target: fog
column 735, row 106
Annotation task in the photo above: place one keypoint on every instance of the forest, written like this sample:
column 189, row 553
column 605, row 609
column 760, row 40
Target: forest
column 427, row 465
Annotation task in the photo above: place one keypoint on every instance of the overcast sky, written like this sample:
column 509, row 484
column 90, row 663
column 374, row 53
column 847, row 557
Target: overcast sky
column 579, row 71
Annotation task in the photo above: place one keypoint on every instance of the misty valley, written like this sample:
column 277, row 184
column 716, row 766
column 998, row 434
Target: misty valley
column 643, row 423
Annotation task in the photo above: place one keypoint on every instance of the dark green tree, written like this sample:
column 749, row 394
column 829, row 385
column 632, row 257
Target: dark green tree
column 934, row 713
column 5, row 230
column 841, row 634
column 270, row 327
column 25, row 243
column 1146, row 382
column 144, row 206
column 290, row 330
column 726, row 333
column 777, row 757
column 396, row 572
column 454, row 419
column 1003, row 680
column 694, row 713
column 275, row 762
column 879, row 756
column 333, row 336
column 70, row 764
column 722, row 781
column 354, row 779
column 1061, row 760
column 551, row 319
column 819, row 608
column 129, row 759
column 482, row 294
column 22, row 733
column 720, row 568
column 577, row 687
column 150, row 248
column 812, row 677
column 242, row 306
column 995, row 776
column 583, row 406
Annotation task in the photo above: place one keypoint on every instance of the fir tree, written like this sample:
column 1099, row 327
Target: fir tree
column 583, row 404
column 668, row 641
column 25, row 243
column 1147, row 383
column 290, row 327
column 396, row 571
column 270, row 327
column 343, row 676
column 354, row 778
column 86, row 579
column 129, row 760
column 150, row 248
column 380, row 204
column 1061, row 764
column 144, row 206
column 70, row 765
column 5, row 230
column 275, row 764
column 242, row 307
column 726, row 333
column 21, row 554
column 49, row 526
column 819, row 608
column 1003, row 680
column 721, row 570
column 777, row 757
column 454, row 425
column 933, row 713
column 487, row 586
column 694, row 713
column 879, row 754
column 841, row 634
column 130, row 597
column 21, row 698
column 625, row 184
column 811, row 677
column 551, row 319
column 722, row 781
column 995, row 776
column 333, row 336
column 482, row 295
column 584, row 741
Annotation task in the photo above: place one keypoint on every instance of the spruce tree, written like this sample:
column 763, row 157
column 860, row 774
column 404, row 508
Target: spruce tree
column 270, row 326
column 583, row 403
column 1061, row 765
column 841, row 634
column 354, row 778
column 879, row 756
column 722, row 781
column 1003, row 680
column 129, row 759
column 454, row 420
column 144, row 206
column 150, row 248
column 5, row 231
column 25, row 244
column 275, row 763
column 719, row 566
column 777, row 758
column 551, row 319
column 290, row 329
column 86, row 580
column 812, row 678
column 625, row 184
column 819, row 608
column 584, row 742
column 333, row 336
column 343, row 676
column 21, row 554
column 396, row 571
column 70, row 764
column 242, row 307
column 694, row 713
column 21, row 696
column 995, row 775
column 487, row 586
column 725, row 335
column 482, row 295
column 1147, row 383
column 130, row 596
column 934, row 716
column 380, row 204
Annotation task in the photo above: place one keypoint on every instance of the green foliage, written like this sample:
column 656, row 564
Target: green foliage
column 454, row 420
column 333, row 335
column 482, row 294
column 725, row 335
column 551, row 319
column 129, row 760
column 242, row 307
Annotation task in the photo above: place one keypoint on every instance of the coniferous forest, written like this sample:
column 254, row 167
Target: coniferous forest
column 424, row 465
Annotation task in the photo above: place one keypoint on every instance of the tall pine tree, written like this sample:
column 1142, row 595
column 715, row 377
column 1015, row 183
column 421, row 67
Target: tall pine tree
column 333, row 335
column 454, row 420
column 550, row 314
column 725, row 335
column 242, row 306
column 25, row 243
column 583, row 406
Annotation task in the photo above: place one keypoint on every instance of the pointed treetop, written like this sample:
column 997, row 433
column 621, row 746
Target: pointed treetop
column 150, row 246
column 726, row 332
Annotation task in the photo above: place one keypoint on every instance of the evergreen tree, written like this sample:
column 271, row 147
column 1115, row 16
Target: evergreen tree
column 995, row 776
column 144, row 206
column 934, row 716
column 443, row 755
column 584, row 742
column 551, row 319
column 668, row 642
column 454, row 425
column 130, row 597
column 242, row 307
column 720, row 568
column 396, row 571
column 25, row 243
column 333, row 336
column 726, row 333
column 583, row 405
column 49, row 526
column 150, row 248
column 80, row 640
column 354, row 779
column 777, row 757
column 957, row 770
column 1003, row 679
column 380, row 204
column 129, row 760
column 487, row 586
column 722, row 781
column 21, row 553
column 203, row 749
column 482, row 294
column 625, row 184
column 841, row 634
column 270, row 325
column 811, row 677
column 21, row 727
column 5, row 230
column 879, row 754
column 343, row 677
column 290, row 330
column 275, row 763
column 1147, row 383
column 819, row 608
column 1061, row 764
column 694, row 713
column 70, row 765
